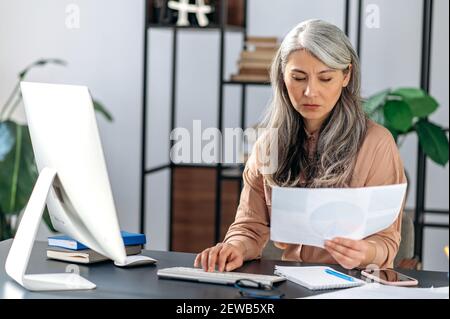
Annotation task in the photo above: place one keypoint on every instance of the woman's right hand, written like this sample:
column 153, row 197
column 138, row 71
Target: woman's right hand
column 280, row 245
column 225, row 256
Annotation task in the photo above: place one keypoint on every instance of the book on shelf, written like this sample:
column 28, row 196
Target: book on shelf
column 262, row 43
column 67, row 242
column 266, row 56
column 250, row 71
column 250, row 78
column 85, row 256
column 254, row 65
column 255, row 61
column 266, row 50
column 270, row 48
column 258, row 39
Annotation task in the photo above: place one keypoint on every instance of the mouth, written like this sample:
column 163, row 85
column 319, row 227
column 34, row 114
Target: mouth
column 311, row 105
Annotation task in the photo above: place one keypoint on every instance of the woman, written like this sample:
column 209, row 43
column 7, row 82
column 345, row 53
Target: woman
column 324, row 140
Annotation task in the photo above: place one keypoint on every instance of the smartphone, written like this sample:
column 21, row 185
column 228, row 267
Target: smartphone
column 389, row 277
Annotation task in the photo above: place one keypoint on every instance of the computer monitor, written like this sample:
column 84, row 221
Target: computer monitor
column 73, row 181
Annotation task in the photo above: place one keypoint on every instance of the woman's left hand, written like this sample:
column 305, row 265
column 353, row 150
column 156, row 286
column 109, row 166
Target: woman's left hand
column 350, row 253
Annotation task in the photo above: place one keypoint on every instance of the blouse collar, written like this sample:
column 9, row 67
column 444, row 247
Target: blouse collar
column 312, row 135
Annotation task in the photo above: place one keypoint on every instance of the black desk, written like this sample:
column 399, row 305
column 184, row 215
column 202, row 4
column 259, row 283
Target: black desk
column 142, row 282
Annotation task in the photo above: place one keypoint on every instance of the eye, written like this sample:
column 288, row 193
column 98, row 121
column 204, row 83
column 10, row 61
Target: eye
column 325, row 80
column 298, row 79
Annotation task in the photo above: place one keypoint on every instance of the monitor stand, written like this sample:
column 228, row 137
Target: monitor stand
column 19, row 254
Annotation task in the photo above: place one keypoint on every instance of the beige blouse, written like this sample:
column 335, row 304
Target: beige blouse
column 378, row 163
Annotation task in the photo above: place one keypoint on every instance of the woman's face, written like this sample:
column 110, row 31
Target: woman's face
column 313, row 87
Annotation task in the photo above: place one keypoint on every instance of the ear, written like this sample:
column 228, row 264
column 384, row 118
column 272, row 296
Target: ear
column 347, row 75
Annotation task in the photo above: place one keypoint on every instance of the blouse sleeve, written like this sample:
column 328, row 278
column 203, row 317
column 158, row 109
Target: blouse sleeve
column 250, row 228
column 386, row 168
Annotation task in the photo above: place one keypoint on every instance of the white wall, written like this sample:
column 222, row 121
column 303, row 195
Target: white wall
column 105, row 53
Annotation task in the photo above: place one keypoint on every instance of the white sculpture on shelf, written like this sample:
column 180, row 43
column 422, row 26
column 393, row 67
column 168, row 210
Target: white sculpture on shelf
column 184, row 7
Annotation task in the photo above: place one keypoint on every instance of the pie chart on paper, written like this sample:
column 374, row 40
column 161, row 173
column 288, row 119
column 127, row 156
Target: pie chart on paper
column 337, row 219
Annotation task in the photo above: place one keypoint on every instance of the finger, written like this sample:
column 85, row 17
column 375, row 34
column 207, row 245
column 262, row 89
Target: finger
column 224, row 255
column 197, row 259
column 343, row 260
column 350, row 243
column 280, row 245
column 234, row 262
column 213, row 253
column 344, row 250
column 205, row 255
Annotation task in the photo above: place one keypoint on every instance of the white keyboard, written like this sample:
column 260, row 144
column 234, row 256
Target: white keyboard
column 224, row 278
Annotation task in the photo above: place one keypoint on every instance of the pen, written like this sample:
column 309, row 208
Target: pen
column 338, row 274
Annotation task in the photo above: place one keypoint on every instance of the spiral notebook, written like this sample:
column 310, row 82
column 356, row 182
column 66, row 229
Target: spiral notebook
column 318, row 277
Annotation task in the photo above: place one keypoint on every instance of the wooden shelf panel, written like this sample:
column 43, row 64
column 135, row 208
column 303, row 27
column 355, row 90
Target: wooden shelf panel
column 194, row 198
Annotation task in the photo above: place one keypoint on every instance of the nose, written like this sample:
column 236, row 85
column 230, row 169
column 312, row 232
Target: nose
column 310, row 90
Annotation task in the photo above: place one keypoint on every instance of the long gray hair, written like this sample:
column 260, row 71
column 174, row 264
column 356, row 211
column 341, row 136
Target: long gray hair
column 341, row 135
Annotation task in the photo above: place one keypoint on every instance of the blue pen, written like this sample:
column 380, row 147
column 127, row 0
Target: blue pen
column 338, row 274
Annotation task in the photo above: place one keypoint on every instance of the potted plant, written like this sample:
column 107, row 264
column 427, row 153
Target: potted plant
column 18, row 171
column 405, row 111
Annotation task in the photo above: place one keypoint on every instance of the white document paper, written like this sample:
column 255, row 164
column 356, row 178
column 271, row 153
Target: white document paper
column 378, row 291
column 310, row 216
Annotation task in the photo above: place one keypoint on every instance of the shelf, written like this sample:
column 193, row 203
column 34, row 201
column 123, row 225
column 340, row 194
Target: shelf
column 227, row 172
column 156, row 169
column 180, row 165
column 194, row 165
column 245, row 83
column 233, row 173
column 229, row 28
column 203, row 187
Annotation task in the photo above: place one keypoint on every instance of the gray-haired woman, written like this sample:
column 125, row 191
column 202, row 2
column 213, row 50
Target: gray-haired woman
column 325, row 140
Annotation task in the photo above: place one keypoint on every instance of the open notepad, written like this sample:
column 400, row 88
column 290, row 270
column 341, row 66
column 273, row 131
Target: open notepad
column 317, row 278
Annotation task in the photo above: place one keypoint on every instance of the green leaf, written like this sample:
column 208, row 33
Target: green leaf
column 434, row 141
column 423, row 106
column 18, row 172
column 6, row 231
column 102, row 110
column 398, row 115
column 377, row 116
column 409, row 93
column 375, row 101
column 47, row 220
column 40, row 62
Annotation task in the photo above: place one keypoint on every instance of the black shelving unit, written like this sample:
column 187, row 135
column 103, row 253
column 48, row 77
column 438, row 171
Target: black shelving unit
column 224, row 172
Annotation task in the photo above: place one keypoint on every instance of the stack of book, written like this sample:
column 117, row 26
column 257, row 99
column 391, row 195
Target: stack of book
column 67, row 249
column 255, row 61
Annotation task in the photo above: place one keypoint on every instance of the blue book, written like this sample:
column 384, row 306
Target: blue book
column 63, row 241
